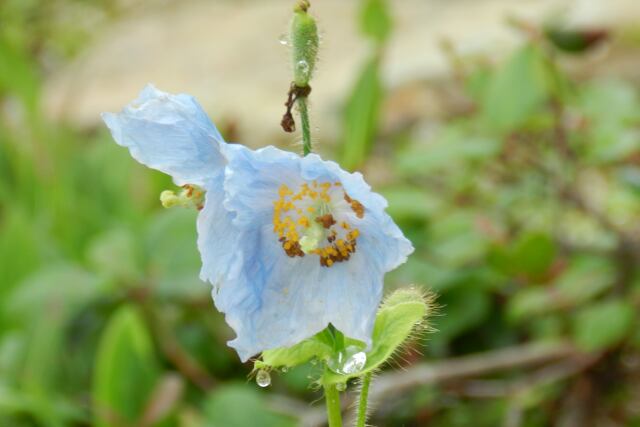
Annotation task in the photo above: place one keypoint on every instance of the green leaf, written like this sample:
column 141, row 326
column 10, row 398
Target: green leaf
column 115, row 254
column 12, row 401
column 611, row 108
column 399, row 318
column 241, row 405
column 532, row 254
column 465, row 307
column 585, row 278
column 361, row 116
column 20, row 248
column 456, row 240
column 57, row 288
column 320, row 346
column 478, row 82
column 18, row 75
column 125, row 371
column 172, row 253
column 44, row 305
column 407, row 203
column 296, row 355
column 451, row 148
column 375, row 20
column 12, row 347
column 517, row 90
column 529, row 302
column 603, row 324
column 610, row 101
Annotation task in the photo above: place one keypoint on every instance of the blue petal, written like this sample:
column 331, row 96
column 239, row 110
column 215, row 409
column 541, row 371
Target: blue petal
column 218, row 238
column 170, row 133
column 173, row 134
column 273, row 300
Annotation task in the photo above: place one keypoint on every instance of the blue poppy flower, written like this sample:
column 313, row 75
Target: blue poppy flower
column 289, row 243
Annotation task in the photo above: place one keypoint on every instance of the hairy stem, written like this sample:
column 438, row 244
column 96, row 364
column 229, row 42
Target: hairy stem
column 364, row 396
column 332, row 397
column 306, row 126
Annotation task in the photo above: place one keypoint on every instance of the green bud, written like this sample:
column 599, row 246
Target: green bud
column 191, row 196
column 304, row 42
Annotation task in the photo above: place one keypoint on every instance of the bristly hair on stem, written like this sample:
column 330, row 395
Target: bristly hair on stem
column 363, row 403
column 334, row 410
column 303, row 110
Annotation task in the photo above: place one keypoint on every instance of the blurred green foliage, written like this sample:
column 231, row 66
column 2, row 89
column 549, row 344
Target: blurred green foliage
column 522, row 205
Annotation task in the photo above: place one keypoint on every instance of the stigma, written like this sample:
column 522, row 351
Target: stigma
column 317, row 220
column 191, row 196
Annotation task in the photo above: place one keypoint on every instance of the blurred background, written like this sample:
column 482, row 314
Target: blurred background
column 505, row 135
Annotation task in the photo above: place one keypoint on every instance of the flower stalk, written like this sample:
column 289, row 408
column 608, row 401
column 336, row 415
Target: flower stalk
column 334, row 411
column 303, row 110
column 304, row 44
column 364, row 397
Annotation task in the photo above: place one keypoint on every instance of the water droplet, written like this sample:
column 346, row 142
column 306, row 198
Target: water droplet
column 263, row 379
column 284, row 39
column 303, row 67
column 284, row 369
column 341, row 386
column 355, row 363
column 349, row 361
column 314, row 361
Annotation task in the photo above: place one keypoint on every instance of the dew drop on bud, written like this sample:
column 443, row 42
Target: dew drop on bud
column 263, row 379
column 303, row 67
column 284, row 39
column 341, row 386
column 284, row 369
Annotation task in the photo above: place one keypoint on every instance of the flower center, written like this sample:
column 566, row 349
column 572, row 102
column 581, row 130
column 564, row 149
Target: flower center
column 316, row 220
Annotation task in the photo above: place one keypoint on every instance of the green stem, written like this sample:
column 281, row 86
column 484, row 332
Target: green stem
column 364, row 396
column 306, row 126
column 332, row 397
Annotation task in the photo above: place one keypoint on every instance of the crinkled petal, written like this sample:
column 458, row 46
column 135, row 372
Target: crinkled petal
column 170, row 133
column 275, row 300
column 218, row 237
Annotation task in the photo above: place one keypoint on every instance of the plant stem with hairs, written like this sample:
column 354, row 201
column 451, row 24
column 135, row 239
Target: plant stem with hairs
column 364, row 396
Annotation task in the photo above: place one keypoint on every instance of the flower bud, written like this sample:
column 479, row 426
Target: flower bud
column 304, row 43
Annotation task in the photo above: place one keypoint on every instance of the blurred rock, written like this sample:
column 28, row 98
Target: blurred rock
column 227, row 54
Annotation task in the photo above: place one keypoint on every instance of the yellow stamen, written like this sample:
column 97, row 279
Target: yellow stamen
column 306, row 224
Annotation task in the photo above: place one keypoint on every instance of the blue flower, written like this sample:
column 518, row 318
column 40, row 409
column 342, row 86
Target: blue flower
column 289, row 243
